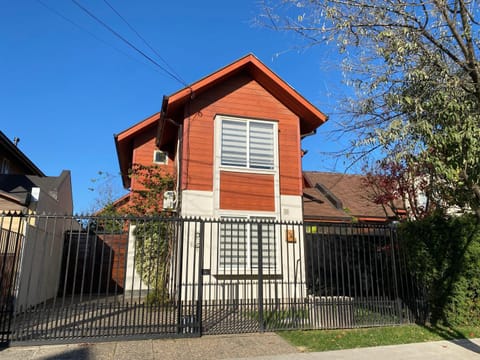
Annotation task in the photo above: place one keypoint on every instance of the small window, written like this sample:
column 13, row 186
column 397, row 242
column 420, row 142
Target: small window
column 5, row 168
column 159, row 157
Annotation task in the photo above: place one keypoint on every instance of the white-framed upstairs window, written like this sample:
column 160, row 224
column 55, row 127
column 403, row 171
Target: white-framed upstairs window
column 160, row 157
column 247, row 143
column 239, row 245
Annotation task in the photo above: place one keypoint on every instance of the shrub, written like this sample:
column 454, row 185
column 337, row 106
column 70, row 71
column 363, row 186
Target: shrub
column 153, row 243
column 444, row 255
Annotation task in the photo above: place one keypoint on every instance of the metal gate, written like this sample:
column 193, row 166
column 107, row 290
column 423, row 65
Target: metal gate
column 68, row 279
column 86, row 278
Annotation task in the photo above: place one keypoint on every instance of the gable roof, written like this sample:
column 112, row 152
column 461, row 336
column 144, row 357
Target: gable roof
column 310, row 117
column 124, row 144
column 15, row 153
column 340, row 197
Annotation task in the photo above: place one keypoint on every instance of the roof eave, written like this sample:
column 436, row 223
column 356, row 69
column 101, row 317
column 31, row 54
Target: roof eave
column 17, row 153
column 121, row 163
column 124, row 147
column 310, row 117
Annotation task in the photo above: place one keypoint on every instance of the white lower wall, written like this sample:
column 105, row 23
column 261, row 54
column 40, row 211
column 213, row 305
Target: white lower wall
column 133, row 281
column 197, row 203
column 291, row 208
column 288, row 279
column 201, row 204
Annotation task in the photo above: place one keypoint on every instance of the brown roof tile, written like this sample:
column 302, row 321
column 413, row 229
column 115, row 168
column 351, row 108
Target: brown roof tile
column 345, row 193
column 316, row 207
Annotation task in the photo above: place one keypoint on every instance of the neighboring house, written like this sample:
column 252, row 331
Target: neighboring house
column 26, row 190
column 233, row 142
column 13, row 160
column 36, row 194
column 337, row 197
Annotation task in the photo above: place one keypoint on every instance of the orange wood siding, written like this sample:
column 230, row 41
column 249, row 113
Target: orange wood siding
column 238, row 96
column 143, row 148
column 246, row 191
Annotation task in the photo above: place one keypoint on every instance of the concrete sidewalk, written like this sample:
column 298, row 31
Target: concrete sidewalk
column 268, row 346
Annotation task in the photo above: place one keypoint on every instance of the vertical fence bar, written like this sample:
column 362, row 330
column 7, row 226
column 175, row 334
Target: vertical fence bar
column 10, row 239
column 395, row 276
column 260, row 279
column 199, row 314
column 331, row 276
column 180, row 276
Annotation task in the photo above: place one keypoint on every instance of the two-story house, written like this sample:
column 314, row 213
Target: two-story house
column 233, row 141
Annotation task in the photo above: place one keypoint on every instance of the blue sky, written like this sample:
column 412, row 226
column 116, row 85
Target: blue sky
column 65, row 93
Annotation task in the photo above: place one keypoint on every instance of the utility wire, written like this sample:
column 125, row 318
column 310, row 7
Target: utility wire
column 145, row 42
column 89, row 13
column 59, row 14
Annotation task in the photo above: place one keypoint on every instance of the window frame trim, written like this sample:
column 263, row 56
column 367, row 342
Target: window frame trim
column 218, row 141
column 218, row 168
column 155, row 151
column 247, row 219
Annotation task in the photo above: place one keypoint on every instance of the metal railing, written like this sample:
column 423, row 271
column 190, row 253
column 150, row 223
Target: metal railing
column 80, row 278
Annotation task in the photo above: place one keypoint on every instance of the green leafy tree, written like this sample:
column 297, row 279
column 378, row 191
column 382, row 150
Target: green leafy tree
column 414, row 66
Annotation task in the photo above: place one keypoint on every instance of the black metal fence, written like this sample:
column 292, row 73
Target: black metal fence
column 10, row 244
column 76, row 278
column 360, row 269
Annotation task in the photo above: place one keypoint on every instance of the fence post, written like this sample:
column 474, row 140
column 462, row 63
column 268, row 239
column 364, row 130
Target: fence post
column 260, row 278
column 393, row 243
column 200, row 277
column 179, row 280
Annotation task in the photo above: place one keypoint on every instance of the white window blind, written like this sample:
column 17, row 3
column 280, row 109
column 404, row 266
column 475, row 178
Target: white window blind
column 248, row 144
column 239, row 245
column 234, row 143
column 233, row 245
column 268, row 246
column 261, row 145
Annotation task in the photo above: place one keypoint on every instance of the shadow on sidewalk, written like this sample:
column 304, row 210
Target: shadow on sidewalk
column 456, row 337
column 74, row 354
column 467, row 344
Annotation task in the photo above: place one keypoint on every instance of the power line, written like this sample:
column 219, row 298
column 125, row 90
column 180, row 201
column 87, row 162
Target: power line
column 89, row 13
column 59, row 14
column 145, row 41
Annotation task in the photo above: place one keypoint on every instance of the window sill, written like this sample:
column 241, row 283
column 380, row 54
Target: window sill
column 247, row 170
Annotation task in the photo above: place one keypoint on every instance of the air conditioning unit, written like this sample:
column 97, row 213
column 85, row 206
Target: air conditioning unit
column 169, row 200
